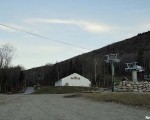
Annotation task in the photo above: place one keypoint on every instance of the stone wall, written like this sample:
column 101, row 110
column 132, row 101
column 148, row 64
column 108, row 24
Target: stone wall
column 128, row 86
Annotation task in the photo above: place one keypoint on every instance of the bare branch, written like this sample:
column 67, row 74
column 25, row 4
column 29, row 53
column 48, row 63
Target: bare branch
column 7, row 52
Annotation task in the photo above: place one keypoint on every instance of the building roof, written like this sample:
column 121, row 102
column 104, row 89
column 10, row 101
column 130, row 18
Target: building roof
column 73, row 76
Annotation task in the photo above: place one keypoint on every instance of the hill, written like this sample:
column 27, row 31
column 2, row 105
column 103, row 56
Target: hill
column 92, row 65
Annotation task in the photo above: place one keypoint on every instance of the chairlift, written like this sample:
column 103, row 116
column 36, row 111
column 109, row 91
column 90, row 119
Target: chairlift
column 134, row 68
column 112, row 58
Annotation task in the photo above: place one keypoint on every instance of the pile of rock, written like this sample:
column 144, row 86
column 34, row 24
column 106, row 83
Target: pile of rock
column 128, row 86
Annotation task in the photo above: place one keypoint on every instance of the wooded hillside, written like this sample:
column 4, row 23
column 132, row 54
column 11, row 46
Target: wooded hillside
column 92, row 65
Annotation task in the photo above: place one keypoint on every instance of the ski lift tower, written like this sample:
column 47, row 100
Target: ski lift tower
column 112, row 58
column 134, row 68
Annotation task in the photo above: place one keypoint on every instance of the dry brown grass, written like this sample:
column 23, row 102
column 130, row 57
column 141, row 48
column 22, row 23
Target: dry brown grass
column 133, row 99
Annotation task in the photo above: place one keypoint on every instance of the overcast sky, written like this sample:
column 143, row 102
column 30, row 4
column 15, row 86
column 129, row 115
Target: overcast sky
column 91, row 24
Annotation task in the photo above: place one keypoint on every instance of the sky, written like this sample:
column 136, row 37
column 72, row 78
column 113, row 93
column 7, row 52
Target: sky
column 86, row 24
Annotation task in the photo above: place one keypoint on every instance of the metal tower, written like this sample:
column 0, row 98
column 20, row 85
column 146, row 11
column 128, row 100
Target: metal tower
column 134, row 68
column 112, row 58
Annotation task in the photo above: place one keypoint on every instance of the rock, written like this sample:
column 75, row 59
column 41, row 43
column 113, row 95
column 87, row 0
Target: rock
column 124, row 90
column 135, row 90
column 119, row 90
column 140, row 85
column 140, row 91
column 147, row 91
column 145, row 82
column 124, row 87
column 130, row 90
column 144, row 89
column 128, row 85
column 135, row 87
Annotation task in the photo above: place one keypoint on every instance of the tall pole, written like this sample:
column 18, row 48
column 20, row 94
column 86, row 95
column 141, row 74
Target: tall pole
column 95, row 72
column 134, row 75
column 112, row 58
column 112, row 68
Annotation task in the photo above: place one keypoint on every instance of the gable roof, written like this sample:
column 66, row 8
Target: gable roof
column 75, row 76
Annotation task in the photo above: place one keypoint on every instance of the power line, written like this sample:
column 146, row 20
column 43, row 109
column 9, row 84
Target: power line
column 43, row 37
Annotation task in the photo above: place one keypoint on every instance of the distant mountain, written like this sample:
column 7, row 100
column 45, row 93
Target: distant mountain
column 92, row 64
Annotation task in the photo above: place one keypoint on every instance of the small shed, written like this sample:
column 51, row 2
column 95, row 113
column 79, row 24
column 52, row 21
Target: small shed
column 73, row 80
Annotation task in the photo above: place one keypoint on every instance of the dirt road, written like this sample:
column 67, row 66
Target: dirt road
column 55, row 107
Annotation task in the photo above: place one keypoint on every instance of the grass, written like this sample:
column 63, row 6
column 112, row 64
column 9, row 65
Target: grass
column 60, row 90
column 132, row 99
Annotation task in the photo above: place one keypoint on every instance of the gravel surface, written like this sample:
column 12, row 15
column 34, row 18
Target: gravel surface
column 56, row 107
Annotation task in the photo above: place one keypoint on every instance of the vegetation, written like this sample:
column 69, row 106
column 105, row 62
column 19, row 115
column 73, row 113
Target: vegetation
column 6, row 55
column 92, row 65
column 11, row 78
column 60, row 90
column 133, row 99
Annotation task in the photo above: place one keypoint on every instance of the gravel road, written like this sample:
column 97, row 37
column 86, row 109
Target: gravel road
column 56, row 107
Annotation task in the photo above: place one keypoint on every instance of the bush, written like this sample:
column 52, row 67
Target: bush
column 60, row 90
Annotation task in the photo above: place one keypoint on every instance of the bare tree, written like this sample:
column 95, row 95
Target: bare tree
column 6, row 55
column 7, row 52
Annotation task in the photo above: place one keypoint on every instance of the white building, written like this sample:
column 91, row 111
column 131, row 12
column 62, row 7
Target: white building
column 73, row 80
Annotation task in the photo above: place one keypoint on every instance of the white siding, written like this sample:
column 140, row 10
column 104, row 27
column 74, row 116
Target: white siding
column 58, row 83
column 74, row 80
